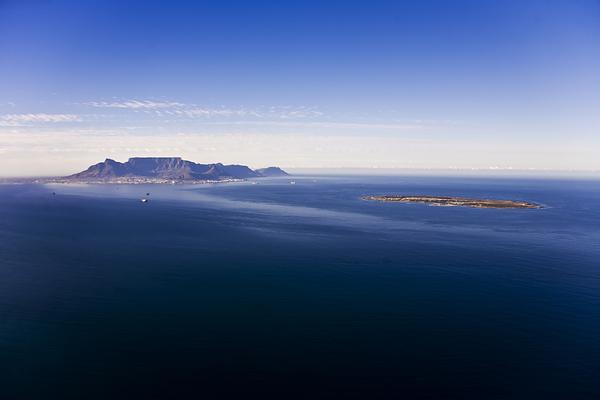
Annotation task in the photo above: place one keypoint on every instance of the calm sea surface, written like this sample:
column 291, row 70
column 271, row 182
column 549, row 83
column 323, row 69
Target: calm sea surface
column 300, row 291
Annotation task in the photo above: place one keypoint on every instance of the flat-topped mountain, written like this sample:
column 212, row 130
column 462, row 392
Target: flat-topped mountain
column 170, row 168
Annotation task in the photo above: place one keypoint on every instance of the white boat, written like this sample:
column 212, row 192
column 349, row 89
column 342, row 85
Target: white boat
column 144, row 200
column 292, row 182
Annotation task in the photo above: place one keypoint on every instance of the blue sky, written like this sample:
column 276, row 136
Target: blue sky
column 389, row 84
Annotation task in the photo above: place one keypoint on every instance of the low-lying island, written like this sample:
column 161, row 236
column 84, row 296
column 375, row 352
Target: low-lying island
column 455, row 201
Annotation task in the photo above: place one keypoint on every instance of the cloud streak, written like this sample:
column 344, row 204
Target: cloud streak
column 330, row 125
column 182, row 110
column 136, row 104
column 21, row 119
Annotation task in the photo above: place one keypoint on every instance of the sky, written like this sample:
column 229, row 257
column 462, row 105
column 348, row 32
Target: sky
column 310, row 84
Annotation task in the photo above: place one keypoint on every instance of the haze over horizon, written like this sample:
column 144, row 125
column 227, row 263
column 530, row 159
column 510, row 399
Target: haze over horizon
column 433, row 85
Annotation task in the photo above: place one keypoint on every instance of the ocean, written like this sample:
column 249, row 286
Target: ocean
column 300, row 291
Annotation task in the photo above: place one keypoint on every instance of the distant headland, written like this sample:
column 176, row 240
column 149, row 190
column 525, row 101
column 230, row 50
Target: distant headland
column 455, row 201
column 167, row 170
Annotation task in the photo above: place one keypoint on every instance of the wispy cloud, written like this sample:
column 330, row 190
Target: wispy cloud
column 20, row 119
column 182, row 110
column 136, row 104
column 329, row 124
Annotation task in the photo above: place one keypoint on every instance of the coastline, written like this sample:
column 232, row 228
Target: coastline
column 449, row 201
column 121, row 181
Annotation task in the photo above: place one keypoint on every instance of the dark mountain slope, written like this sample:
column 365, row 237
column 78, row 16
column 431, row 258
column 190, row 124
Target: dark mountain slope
column 168, row 168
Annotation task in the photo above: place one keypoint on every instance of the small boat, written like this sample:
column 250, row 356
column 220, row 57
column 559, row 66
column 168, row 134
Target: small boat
column 147, row 194
column 144, row 200
column 292, row 182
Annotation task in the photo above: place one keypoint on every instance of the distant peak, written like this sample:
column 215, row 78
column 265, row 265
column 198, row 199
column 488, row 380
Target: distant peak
column 272, row 172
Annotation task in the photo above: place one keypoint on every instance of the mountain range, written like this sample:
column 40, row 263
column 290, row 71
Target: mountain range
column 173, row 168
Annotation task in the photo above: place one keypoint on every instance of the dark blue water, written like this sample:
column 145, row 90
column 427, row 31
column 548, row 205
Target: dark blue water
column 300, row 291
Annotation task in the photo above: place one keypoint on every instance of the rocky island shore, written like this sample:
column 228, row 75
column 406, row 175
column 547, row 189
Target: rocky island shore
column 455, row 201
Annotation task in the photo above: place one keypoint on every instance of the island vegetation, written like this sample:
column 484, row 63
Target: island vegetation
column 455, row 201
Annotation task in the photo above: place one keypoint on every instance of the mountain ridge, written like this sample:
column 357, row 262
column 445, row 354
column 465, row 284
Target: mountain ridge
column 171, row 168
